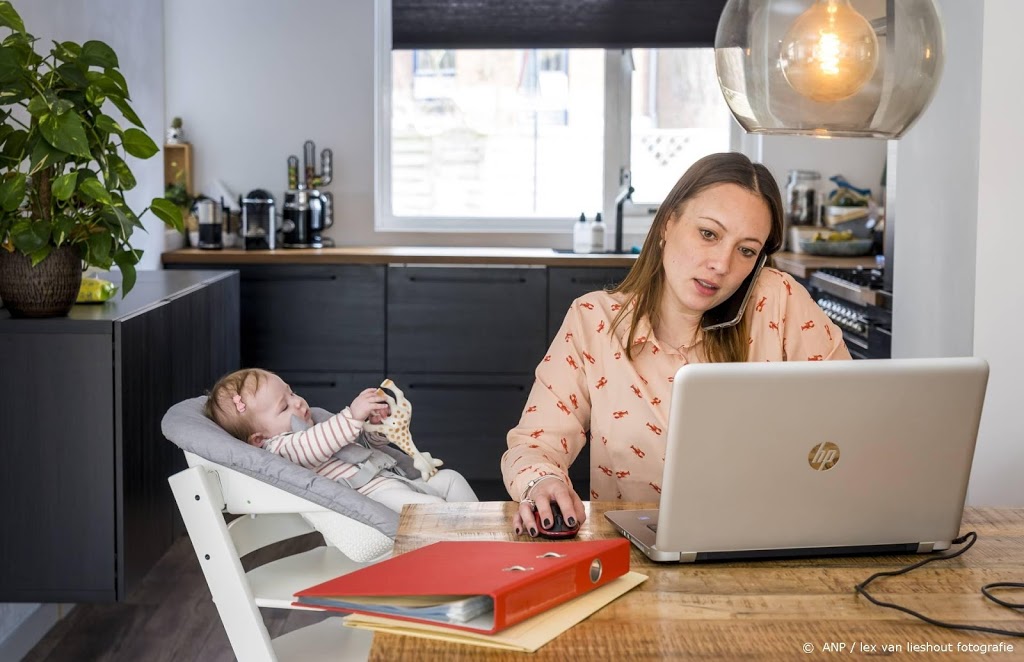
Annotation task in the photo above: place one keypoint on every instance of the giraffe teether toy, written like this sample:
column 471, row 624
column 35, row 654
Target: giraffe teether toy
column 396, row 428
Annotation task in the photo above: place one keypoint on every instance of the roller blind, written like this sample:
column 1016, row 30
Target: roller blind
column 452, row 24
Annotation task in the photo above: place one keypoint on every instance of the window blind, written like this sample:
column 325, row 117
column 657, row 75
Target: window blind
column 452, row 24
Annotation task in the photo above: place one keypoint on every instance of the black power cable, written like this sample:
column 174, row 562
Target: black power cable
column 985, row 590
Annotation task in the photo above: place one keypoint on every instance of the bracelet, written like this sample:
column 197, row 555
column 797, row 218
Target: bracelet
column 529, row 486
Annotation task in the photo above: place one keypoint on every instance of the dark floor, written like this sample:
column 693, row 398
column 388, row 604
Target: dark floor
column 170, row 616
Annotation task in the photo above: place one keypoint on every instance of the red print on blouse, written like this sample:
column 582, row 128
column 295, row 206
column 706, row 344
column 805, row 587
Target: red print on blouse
column 655, row 487
column 568, row 336
column 600, row 383
column 572, row 362
column 590, row 359
column 531, row 409
column 789, row 288
column 639, row 453
column 600, row 327
column 809, row 324
column 561, row 406
column 574, row 401
column 606, row 470
column 654, row 428
column 537, row 433
column 565, row 445
column 655, row 401
column 773, row 325
column 620, row 414
column 588, row 306
column 621, row 474
column 636, row 391
column 760, row 304
column 816, row 357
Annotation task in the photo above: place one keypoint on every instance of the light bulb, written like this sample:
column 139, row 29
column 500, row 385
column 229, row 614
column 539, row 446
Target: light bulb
column 830, row 52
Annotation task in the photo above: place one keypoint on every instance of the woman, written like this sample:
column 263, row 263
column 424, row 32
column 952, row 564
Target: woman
column 609, row 370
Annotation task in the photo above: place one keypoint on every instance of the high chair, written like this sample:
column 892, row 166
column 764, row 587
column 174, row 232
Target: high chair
column 270, row 494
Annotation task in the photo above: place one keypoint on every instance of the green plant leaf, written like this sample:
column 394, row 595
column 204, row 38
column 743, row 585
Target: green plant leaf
column 116, row 76
column 124, row 223
column 10, row 67
column 65, row 132
column 73, row 74
column 63, row 187
column 44, row 155
column 96, row 53
column 67, row 51
column 99, row 247
column 138, row 144
column 95, row 96
column 168, row 212
column 106, row 123
column 38, row 106
column 38, row 256
column 95, row 190
column 14, row 146
column 61, row 228
column 10, row 18
column 29, row 236
column 105, row 83
column 122, row 173
column 127, row 275
column 127, row 111
column 12, row 191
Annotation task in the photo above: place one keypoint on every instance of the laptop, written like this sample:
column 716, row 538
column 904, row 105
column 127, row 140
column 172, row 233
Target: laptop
column 791, row 459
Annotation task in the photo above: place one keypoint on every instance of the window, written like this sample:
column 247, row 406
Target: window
column 523, row 140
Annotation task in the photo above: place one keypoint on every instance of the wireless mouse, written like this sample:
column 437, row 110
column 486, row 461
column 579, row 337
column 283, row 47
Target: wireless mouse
column 558, row 528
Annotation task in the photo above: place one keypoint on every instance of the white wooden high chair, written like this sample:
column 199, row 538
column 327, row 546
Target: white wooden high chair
column 216, row 483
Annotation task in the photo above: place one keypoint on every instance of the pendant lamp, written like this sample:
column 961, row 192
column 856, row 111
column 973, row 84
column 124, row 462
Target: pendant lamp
column 850, row 68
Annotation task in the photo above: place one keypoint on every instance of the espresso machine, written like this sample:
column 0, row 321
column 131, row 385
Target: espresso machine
column 259, row 221
column 307, row 211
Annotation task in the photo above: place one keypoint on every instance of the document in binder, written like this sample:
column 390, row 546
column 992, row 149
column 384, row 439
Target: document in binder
column 481, row 586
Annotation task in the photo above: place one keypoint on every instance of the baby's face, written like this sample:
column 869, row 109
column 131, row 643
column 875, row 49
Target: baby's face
column 273, row 406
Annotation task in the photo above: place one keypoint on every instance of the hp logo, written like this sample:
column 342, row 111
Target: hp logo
column 823, row 456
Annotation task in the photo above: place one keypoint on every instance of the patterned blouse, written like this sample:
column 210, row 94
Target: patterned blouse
column 585, row 382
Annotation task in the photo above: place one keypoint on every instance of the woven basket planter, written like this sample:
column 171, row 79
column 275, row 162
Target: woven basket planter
column 47, row 290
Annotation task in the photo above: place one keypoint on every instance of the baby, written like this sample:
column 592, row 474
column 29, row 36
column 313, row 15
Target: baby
column 259, row 408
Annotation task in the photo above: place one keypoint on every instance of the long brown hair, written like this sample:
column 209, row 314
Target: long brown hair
column 645, row 283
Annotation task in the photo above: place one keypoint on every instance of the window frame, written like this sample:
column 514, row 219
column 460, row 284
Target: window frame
column 617, row 112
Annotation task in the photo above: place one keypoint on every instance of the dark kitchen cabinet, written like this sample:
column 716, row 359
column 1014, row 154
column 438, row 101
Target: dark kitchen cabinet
column 565, row 284
column 85, row 469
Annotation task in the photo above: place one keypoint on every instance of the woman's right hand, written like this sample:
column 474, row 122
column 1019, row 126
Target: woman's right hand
column 543, row 494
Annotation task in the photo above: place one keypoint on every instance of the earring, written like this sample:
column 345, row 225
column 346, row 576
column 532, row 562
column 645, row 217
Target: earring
column 661, row 244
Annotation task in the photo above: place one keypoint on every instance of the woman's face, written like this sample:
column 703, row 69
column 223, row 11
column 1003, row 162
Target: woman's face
column 711, row 245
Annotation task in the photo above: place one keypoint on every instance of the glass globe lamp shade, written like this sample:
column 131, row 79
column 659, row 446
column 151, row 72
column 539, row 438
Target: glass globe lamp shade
column 851, row 68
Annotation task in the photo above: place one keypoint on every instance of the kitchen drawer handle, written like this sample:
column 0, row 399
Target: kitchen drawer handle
column 455, row 279
column 466, row 387
column 292, row 277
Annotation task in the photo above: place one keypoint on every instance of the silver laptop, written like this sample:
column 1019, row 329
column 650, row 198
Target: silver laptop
column 769, row 460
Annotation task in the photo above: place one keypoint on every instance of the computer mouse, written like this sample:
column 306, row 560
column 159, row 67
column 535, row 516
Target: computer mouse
column 558, row 528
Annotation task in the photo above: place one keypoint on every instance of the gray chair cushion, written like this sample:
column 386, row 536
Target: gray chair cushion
column 187, row 427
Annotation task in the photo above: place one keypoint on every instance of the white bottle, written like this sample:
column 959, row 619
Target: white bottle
column 597, row 235
column 581, row 236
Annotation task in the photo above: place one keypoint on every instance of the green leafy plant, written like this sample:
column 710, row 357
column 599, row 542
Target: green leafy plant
column 62, row 159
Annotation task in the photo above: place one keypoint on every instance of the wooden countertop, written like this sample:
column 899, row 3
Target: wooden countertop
column 398, row 254
column 802, row 266
column 754, row 610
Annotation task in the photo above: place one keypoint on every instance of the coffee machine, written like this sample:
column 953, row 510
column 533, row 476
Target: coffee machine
column 307, row 211
column 259, row 221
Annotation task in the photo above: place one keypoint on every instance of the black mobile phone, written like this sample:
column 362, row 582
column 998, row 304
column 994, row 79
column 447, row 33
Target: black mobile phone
column 730, row 311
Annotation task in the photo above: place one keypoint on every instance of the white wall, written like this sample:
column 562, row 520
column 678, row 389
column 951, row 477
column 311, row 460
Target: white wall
column 133, row 30
column 253, row 80
column 999, row 295
column 955, row 289
column 860, row 160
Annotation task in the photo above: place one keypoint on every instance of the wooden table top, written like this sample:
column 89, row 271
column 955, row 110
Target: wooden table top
column 766, row 610
column 802, row 265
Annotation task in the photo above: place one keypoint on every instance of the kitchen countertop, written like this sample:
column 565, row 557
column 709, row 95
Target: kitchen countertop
column 802, row 265
column 398, row 254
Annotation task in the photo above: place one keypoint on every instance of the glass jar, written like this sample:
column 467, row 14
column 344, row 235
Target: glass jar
column 802, row 197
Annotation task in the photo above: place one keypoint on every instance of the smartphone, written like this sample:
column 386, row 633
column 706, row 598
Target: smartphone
column 730, row 311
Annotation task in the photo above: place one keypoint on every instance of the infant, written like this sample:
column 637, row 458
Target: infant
column 259, row 408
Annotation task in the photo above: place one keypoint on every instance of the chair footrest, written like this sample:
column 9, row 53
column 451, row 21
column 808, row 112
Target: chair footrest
column 274, row 584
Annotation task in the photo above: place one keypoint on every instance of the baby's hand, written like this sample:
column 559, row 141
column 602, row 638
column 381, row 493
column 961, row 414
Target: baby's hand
column 368, row 404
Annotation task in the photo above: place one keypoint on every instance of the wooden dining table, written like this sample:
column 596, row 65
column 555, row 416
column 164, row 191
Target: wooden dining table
column 800, row 609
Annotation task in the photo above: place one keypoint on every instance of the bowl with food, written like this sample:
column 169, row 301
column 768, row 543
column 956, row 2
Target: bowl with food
column 836, row 244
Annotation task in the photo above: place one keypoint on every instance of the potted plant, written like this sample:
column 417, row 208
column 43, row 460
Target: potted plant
column 63, row 172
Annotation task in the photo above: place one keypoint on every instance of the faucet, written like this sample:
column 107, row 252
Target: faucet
column 625, row 193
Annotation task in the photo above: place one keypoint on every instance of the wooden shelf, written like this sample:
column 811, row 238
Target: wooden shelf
column 178, row 165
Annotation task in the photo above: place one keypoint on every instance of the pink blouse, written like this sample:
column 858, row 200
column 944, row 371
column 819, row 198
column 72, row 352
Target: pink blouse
column 585, row 382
